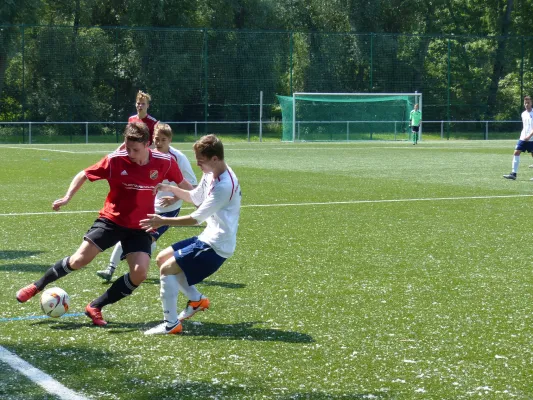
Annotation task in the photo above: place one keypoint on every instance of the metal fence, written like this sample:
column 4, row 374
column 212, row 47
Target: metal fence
column 111, row 132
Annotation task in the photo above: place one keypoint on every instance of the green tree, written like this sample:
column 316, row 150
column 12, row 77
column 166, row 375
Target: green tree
column 13, row 12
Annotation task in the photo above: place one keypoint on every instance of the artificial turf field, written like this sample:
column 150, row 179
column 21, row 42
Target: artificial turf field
column 373, row 270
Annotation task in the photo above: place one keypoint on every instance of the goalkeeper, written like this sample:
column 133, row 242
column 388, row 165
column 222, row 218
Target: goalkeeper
column 415, row 120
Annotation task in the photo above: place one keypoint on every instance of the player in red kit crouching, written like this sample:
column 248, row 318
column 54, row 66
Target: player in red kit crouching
column 132, row 174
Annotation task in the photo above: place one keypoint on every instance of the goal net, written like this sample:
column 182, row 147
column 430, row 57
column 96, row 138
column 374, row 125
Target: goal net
column 347, row 116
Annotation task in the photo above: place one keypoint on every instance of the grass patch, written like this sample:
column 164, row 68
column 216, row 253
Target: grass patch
column 373, row 270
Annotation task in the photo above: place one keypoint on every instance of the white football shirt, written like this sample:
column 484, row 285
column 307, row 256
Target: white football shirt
column 186, row 171
column 219, row 204
column 527, row 122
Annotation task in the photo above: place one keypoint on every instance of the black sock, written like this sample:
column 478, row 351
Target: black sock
column 121, row 288
column 58, row 270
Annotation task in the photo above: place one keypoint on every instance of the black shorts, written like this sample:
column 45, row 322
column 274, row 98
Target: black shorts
column 105, row 234
column 414, row 128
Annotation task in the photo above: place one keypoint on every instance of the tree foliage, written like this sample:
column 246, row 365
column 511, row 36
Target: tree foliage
column 206, row 60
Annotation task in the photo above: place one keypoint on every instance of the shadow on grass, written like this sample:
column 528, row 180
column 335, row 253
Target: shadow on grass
column 196, row 390
column 77, row 363
column 326, row 396
column 227, row 285
column 243, row 331
column 89, row 369
column 156, row 281
column 25, row 267
column 147, row 281
column 85, row 322
column 240, row 331
column 14, row 254
column 190, row 390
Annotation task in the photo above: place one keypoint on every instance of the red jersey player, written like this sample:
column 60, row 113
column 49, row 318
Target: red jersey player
column 132, row 174
column 142, row 103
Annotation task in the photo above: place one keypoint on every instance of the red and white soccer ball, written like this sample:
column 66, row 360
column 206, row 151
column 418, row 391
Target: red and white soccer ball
column 55, row 302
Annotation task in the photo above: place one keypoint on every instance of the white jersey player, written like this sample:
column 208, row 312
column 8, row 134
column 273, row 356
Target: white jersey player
column 163, row 200
column 186, row 263
column 524, row 143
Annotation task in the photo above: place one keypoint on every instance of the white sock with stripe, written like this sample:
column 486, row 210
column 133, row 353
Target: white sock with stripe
column 169, row 297
column 189, row 291
column 116, row 254
column 516, row 162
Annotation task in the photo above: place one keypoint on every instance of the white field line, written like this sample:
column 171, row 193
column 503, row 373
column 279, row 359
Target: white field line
column 327, row 203
column 57, row 151
column 49, row 212
column 39, row 377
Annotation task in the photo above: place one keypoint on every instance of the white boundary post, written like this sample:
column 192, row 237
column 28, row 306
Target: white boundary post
column 420, row 108
column 294, row 118
column 347, row 131
column 260, row 116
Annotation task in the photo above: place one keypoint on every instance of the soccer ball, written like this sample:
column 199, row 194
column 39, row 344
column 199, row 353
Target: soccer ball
column 55, row 302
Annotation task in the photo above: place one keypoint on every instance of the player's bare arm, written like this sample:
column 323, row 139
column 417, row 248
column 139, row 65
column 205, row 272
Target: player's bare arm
column 185, row 185
column 176, row 191
column 154, row 221
column 167, row 201
column 75, row 185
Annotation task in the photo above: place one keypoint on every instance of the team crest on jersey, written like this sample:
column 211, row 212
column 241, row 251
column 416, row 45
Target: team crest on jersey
column 154, row 174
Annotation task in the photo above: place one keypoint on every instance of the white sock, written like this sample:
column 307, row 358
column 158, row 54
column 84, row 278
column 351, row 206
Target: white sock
column 516, row 161
column 189, row 291
column 116, row 254
column 169, row 297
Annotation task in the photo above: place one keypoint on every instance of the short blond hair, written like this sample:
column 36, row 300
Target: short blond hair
column 143, row 95
column 163, row 129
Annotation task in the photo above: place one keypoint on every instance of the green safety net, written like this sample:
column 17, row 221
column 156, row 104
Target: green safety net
column 334, row 117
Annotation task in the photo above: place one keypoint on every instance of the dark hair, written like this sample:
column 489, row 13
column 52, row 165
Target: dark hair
column 209, row 146
column 137, row 132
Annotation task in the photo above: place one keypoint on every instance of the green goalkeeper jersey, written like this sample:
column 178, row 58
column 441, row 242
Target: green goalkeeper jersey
column 416, row 117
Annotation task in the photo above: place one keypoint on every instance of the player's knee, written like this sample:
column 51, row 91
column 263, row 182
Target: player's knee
column 138, row 275
column 170, row 267
column 161, row 258
column 77, row 261
column 164, row 269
